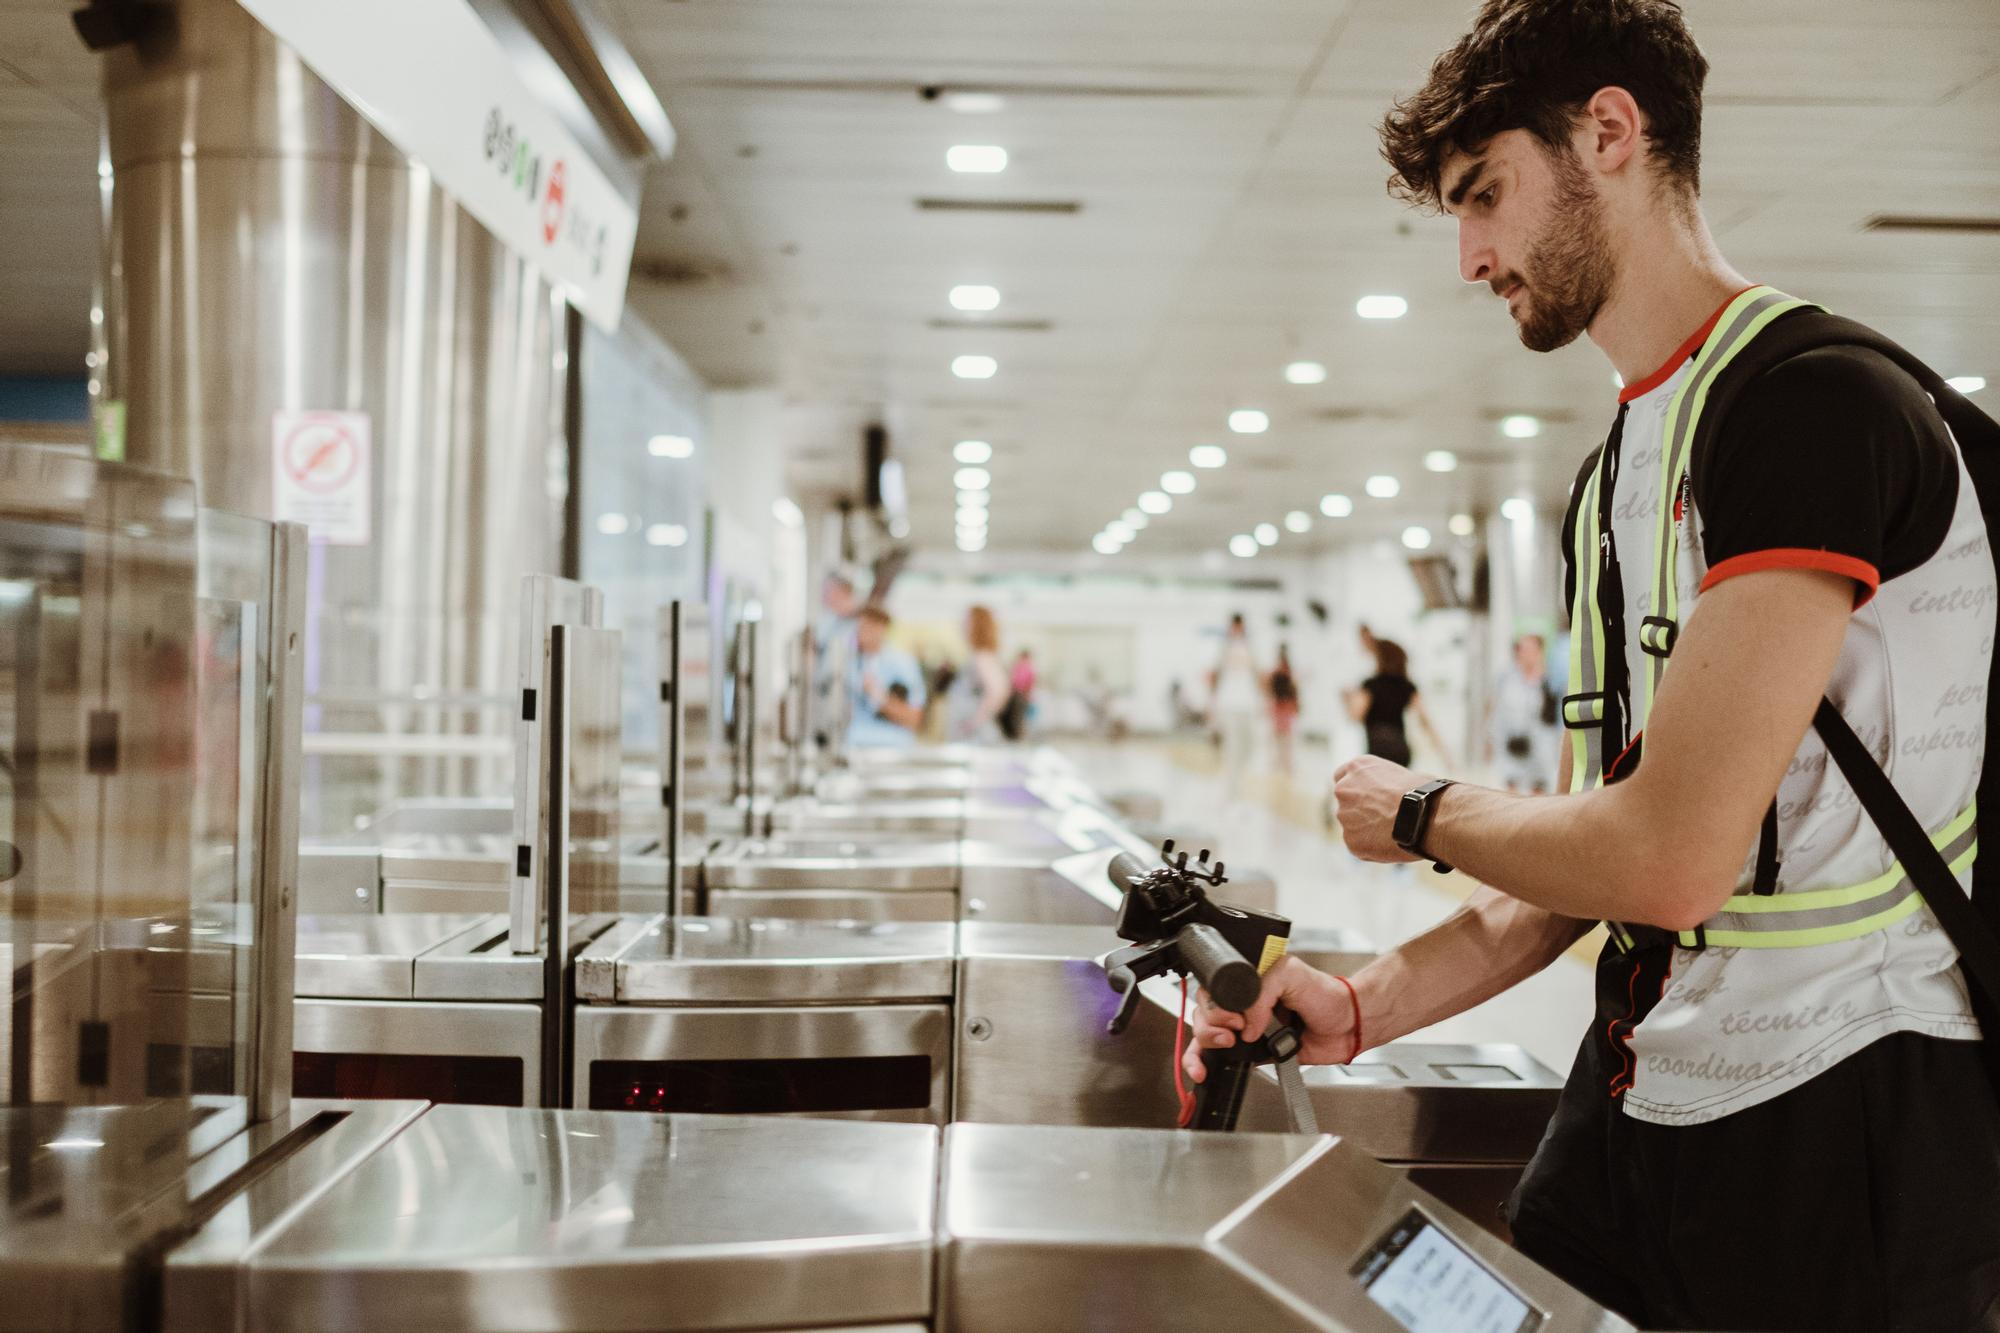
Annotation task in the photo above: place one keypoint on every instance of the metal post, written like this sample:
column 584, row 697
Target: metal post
column 555, row 831
column 748, row 712
column 276, row 906
column 671, row 792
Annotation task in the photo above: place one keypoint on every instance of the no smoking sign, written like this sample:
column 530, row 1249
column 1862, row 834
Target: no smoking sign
column 319, row 474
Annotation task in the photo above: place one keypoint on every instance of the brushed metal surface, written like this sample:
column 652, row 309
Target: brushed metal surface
column 720, row 960
column 441, row 1028
column 757, row 864
column 854, row 905
column 480, row 964
column 369, row 957
column 775, row 1032
column 479, row 1218
column 1126, row 1228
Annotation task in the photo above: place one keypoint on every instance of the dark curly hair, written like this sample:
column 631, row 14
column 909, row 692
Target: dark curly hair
column 1532, row 65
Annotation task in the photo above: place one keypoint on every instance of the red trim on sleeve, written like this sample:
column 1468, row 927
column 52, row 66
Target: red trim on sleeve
column 1795, row 557
column 1681, row 353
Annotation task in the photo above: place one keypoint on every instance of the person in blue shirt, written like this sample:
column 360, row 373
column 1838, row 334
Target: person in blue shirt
column 885, row 684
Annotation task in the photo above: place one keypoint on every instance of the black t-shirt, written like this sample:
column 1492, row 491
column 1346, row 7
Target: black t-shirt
column 1835, row 459
column 1388, row 698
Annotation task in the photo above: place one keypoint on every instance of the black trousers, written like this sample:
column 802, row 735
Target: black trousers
column 1866, row 1198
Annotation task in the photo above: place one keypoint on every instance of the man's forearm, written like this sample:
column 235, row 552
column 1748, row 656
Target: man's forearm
column 1491, row 943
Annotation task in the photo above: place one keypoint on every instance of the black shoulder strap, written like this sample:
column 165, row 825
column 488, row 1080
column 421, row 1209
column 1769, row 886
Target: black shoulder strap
column 1972, row 924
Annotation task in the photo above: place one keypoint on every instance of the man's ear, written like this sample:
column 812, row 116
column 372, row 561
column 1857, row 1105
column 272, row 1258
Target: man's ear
column 1612, row 130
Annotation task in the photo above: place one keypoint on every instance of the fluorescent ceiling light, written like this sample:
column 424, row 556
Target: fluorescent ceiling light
column 1244, row 545
column 972, row 479
column 1208, row 455
column 787, row 512
column 972, row 452
column 1177, row 482
column 1118, row 531
column 1299, row 521
column 1155, row 502
column 1384, row 487
column 1520, row 426
column 971, row 535
column 1135, row 518
column 975, row 296
column 974, row 367
column 1249, row 421
column 979, row 498
column 1516, row 510
column 974, row 104
column 1381, row 307
column 1266, row 534
column 972, row 545
column 1967, row 383
column 971, row 517
column 1305, row 372
column 1417, row 538
column 1106, row 544
column 1440, row 460
column 1335, row 505
column 612, row 525
column 899, row 527
column 975, row 158
column 1462, row 525
column 666, row 534
column 670, row 446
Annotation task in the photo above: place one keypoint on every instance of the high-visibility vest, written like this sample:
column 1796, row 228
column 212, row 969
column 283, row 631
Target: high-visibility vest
column 1598, row 710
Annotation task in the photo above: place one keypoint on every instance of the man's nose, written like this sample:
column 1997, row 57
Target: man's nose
column 1476, row 262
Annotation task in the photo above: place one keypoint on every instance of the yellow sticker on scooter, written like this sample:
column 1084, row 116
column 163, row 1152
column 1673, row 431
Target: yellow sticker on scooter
column 1274, row 949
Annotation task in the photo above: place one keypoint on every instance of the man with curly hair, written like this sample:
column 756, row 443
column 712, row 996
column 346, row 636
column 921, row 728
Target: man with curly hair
column 1782, row 592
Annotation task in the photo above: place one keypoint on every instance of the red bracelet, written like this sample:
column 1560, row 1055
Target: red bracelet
column 1354, row 1000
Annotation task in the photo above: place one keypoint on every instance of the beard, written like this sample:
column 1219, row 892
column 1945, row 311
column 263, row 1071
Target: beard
column 1569, row 269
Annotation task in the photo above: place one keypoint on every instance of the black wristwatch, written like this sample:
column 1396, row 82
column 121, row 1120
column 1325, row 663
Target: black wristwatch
column 1413, row 820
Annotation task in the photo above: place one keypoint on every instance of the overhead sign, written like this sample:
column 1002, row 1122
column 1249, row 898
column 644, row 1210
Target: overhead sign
column 434, row 79
column 319, row 474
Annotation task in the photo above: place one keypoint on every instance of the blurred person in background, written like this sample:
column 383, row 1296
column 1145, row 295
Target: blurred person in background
column 979, row 690
column 1015, row 716
column 1283, row 687
column 885, row 684
column 833, row 643
column 1381, row 704
column 1235, row 704
column 1523, row 741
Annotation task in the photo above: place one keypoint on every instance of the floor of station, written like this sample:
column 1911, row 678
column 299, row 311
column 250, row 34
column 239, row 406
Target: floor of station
column 1276, row 824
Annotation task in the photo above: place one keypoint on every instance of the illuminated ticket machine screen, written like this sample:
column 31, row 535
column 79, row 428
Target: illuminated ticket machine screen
column 1428, row 1283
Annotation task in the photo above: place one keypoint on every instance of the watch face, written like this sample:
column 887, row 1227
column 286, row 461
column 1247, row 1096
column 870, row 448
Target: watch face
column 1407, row 814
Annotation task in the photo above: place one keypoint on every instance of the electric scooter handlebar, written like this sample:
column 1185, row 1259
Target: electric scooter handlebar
column 1230, row 981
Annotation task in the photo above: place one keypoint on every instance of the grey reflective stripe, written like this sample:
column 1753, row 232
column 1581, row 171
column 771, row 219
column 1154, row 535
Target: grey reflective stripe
column 1744, row 318
column 1583, row 712
column 1822, row 916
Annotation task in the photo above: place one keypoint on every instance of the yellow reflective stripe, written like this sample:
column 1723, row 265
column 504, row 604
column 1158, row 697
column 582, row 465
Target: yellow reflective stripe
column 1808, row 899
column 1583, row 622
column 1796, row 939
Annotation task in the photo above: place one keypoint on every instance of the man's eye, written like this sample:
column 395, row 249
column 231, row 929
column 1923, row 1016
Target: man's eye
column 1485, row 197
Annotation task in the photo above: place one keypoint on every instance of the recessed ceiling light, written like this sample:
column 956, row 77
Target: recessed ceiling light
column 1208, row 455
column 974, row 158
column 899, row 527
column 1381, row 307
column 1384, row 487
column 974, row 104
column 1461, row 525
column 972, row 452
column 1516, row 510
column 1177, row 482
column 1967, row 383
column 979, row 499
column 1305, row 372
column 975, row 296
column 666, row 534
column 1417, row 538
column 1244, row 545
column 1155, row 502
column 1266, row 534
column 972, row 478
column 1116, row 528
column 1520, row 426
column 787, row 512
column 971, row 516
column 1335, row 506
column 974, row 367
column 1440, row 460
column 1106, row 544
column 971, row 534
column 1249, row 421
column 971, row 545
column 1299, row 521
column 670, row 446
column 613, row 525
column 1135, row 518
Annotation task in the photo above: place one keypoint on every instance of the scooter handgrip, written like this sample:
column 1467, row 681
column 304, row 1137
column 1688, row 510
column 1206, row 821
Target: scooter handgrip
column 1231, row 982
column 1124, row 869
